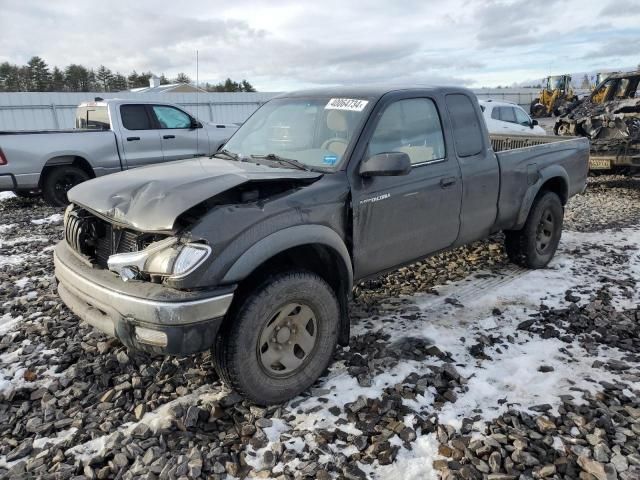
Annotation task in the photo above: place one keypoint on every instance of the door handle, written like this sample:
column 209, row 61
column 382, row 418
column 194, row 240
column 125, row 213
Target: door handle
column 167, row 137
column 132, row 139
column 447, row 182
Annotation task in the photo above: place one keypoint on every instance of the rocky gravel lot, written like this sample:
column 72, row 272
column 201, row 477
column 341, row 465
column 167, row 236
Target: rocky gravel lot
column 460, row 367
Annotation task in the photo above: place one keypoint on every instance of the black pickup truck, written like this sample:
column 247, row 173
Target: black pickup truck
column 254, row 251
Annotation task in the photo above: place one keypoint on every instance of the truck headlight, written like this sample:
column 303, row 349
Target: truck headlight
column 167, row 258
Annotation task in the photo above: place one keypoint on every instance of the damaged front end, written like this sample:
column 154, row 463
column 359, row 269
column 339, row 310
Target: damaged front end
column 611, row 122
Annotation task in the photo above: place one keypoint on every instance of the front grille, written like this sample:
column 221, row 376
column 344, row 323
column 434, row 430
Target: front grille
column 98, row 239
column 116, row 241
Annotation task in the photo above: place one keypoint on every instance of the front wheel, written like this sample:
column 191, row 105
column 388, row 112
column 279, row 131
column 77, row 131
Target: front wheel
column 280, row 339
column 535, row 244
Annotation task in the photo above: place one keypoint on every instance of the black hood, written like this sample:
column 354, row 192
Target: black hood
column 151, row 198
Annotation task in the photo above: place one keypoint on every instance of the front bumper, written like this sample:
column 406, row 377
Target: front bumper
column 140, row 314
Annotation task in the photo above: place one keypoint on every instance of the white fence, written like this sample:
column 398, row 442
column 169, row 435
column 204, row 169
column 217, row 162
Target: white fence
column 35, row 110
column 51, row 110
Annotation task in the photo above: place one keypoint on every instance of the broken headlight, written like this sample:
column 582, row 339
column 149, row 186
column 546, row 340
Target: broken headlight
column 165, row 258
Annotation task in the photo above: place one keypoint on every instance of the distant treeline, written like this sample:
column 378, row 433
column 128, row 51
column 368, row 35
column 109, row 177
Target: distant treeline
column 36, row 76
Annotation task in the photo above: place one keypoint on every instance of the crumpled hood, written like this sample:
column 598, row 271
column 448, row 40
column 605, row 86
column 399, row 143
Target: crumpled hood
column 151, row 198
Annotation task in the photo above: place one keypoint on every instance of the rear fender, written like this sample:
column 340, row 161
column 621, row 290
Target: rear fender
column 551, row 172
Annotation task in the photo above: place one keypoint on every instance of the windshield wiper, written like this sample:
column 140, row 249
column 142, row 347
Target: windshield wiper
column 227, row 154
column 287, row 161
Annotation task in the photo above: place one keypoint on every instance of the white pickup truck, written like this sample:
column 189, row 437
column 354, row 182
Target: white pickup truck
column 109, row 136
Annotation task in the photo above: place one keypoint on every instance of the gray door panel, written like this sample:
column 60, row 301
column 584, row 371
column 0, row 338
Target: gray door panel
column 402, row 218
column 141, row 144
column 179, row 139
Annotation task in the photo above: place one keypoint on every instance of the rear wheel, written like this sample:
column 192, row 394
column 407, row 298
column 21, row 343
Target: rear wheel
column 536, row 243
column 58, row 181
column 280, row 339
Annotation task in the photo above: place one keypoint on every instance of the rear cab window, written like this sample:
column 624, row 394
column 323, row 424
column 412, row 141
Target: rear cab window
column 93, row 117
column 467, row 134
column 135, row 117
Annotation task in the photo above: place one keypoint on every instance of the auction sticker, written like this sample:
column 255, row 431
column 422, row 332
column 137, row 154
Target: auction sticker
column 351, row 104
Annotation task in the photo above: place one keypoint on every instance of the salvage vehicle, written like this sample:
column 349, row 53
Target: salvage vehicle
column 110, row 136
column 610, row 118
column 508, row 118
column 254, row 252
column 555, row 97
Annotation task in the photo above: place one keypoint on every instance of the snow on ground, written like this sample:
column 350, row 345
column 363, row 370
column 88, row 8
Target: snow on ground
column 509, row 377
column 55, row 218
column 6, row 195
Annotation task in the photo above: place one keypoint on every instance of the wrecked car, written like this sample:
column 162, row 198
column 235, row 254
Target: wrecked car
column 610, row 118
column 254, row 251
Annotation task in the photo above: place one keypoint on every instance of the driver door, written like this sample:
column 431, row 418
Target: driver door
column 398, row 219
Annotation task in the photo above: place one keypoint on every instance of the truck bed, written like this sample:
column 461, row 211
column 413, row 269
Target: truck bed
column 522, row 159
column 501, row 143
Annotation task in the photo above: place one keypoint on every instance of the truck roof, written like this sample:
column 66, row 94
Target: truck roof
column 118, row 101
column 372, row 91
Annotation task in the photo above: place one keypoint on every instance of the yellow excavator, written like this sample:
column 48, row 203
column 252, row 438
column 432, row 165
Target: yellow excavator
column 555, row 97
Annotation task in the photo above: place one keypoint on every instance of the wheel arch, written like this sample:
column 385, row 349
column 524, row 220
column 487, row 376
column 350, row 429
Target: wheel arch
column 316, row 248
column 551, row 179
column 74, row 160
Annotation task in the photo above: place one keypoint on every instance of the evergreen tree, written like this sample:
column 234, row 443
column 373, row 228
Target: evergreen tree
column 77, row 78
column 246, row 87
column 164, row 80
column 39, row 76
column 57, row 80
column 117, row 83
column 103, row 78
column 182, row 78
column 8, row 77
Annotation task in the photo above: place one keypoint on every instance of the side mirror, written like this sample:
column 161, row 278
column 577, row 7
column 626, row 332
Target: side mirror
column 534, row 123
column 386, row 165
column 195, row 124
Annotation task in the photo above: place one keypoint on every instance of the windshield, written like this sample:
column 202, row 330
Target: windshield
column 556, row 83
column 313, row 131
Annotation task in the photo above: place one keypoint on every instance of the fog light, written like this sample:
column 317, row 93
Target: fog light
column 151, row 337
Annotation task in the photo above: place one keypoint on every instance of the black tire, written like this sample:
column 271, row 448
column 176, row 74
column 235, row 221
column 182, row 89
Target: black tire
column 533, row 103
column 240, row 351
column 535, row 245
column 58, row 181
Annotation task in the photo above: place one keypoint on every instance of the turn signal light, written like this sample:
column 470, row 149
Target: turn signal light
column 151, row 337
column 3, row 158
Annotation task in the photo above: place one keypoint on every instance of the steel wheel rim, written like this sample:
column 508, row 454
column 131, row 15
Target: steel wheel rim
column 287, row 340
column 544, row 231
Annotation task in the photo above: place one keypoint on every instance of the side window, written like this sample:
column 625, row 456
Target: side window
column 507, row 114
column 134, row 117
column 467, row 133
column 495, row 113
column 522, row 118
column 411, row 126
column 169, row 117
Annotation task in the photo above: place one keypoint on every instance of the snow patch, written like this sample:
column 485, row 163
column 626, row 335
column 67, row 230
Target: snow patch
column 55, row 218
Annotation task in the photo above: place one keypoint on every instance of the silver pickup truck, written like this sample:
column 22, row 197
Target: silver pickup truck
column 110, row 136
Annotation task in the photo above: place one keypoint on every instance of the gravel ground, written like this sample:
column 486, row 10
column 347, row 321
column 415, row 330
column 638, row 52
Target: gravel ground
column 461, row 366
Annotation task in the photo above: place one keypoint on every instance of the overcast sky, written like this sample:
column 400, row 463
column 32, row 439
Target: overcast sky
column 285, row 44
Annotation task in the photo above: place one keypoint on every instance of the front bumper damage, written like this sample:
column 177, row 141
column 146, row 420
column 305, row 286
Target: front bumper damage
column 142, row 315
